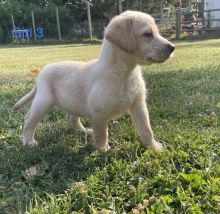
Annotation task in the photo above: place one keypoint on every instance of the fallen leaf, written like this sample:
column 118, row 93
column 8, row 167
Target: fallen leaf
column 36, row 70
column 3, row 142
column 213, row 116
column 152, row 200
column 146, row 203
column 141, row 207
column 29, row 173
column 104, row 211
column 135, row 211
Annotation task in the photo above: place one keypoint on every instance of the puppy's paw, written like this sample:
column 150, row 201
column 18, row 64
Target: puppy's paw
column 155, row 145
column 101, row 148
column 89, row 131
column 32, row 143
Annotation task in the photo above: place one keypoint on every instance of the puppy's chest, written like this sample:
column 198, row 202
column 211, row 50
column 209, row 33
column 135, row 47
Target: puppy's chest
column 119, row 101
column 113, row 98
column 122, row 95
column 126, row 95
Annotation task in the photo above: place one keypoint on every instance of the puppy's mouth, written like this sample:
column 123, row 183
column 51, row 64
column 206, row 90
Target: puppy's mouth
column 151, row 60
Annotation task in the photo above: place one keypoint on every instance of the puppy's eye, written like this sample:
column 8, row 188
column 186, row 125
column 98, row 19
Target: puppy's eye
column 148, row 34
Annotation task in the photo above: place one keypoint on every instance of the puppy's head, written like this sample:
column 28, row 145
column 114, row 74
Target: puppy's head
column 136, row 33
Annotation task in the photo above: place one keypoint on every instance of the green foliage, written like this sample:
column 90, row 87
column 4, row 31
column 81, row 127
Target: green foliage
column 44, row 17
column 183, row 100
column 5, row 22
column 70, row 11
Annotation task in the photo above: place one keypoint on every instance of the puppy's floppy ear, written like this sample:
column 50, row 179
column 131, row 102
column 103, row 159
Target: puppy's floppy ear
column 120, row 33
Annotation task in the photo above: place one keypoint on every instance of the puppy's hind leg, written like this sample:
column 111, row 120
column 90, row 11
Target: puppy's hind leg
column 38, row 109
column 75, row 122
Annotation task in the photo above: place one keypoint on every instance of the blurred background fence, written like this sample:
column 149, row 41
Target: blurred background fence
column 51, row 23
column 49, row 26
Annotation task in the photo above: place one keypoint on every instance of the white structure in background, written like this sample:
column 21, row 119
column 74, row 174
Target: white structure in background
column 212, row 15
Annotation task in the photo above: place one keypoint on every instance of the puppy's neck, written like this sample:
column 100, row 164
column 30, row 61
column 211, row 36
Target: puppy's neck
column 116, row 58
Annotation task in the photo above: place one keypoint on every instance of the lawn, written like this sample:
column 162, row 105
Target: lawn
column 70, row 177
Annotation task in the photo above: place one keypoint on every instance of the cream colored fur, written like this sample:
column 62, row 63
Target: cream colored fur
column 105, row 88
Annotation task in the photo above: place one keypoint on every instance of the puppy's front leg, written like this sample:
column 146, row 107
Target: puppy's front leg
column 100, row 130
column 140, row 117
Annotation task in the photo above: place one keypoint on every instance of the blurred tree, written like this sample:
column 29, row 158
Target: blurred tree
column 71, row 10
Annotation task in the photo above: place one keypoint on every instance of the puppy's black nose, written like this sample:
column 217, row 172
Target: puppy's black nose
column 171, row 48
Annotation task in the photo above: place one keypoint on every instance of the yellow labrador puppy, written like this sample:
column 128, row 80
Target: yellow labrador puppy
column 104, row 88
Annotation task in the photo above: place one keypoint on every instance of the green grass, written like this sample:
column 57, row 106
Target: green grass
column 184, row 104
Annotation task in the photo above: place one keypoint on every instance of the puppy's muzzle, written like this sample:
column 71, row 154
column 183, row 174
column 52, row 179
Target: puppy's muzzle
column 165, row 53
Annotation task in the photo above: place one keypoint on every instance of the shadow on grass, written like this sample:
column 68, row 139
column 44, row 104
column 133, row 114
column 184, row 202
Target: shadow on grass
column 183, row 95
column 60, row 163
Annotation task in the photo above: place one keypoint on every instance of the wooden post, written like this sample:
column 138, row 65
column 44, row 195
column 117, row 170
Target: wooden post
column 89, row 20
column 120, row 6
column 33, row 24
column 13, row 25
column 13, row 22
column 58, row 24
column 178, row 23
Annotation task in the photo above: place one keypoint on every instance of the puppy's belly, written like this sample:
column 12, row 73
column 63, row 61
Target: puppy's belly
column 110, row 110
column 74, row 107
column 118, row 113
column 119, row 109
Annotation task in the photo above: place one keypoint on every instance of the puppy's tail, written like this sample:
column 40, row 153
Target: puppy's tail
column 28, row 97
